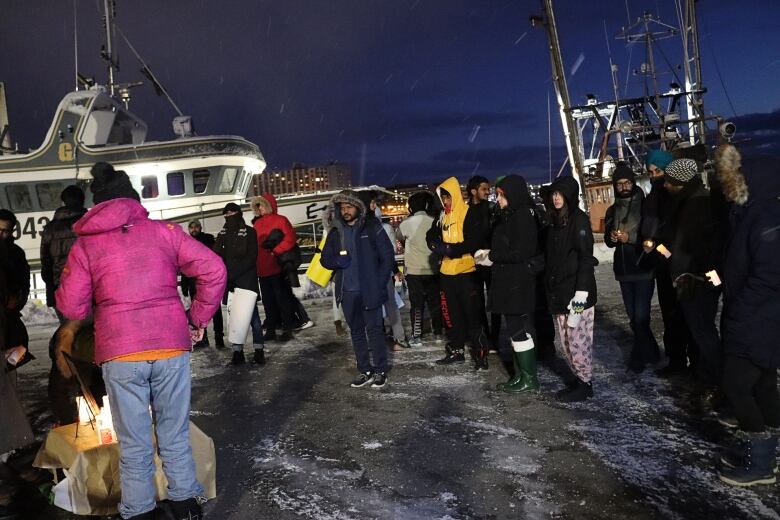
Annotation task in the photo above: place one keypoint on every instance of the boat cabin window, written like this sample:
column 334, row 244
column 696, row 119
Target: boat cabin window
column 228, row 180
column 108, row 125
column 19, row 197
column 49, row 195
column 175, row 183
column 149, row 188
column 200, row 180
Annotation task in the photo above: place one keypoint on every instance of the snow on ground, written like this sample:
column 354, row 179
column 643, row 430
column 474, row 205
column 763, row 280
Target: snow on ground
column 295, row 442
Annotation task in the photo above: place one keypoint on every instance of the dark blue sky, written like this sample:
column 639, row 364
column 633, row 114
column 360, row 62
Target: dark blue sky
column 403, row 90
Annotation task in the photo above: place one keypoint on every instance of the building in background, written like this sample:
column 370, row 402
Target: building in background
column 303, row 179
column 394, row 207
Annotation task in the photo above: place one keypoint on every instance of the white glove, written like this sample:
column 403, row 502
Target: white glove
column 577, row 304
column 482, row 257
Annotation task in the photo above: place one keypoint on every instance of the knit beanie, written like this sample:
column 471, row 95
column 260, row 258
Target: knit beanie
column 660, row 158
column 72, row 197
column 231, row 206
column 623, row 171
column 110, row 184
column 681, row 171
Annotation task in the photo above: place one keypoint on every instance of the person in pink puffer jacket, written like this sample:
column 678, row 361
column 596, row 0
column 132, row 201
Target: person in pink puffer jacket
column 123, row 267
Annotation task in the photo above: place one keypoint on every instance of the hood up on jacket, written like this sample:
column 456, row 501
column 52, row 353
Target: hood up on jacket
column 267, row 201
column 332, row 214
column 452, row 186
column 515, row 190
column 110, row 215
column 570, row 190
column 754, row 178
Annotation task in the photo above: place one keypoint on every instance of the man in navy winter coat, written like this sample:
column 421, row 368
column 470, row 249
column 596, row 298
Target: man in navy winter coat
column 360, row 253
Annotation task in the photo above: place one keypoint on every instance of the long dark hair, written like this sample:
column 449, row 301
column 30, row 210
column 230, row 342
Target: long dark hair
column 559, row 217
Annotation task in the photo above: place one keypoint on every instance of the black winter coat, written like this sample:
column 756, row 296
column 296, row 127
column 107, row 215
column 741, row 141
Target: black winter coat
column 751, row 278
column 56, row 240
column 568, row 254
column 483, row 216
column 188, row 284
column 13, row 261
column 514, row 245
column 236, row 243
column 696, row 236
column 630, row 262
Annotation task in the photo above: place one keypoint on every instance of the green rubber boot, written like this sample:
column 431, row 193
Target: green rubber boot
column 525, row 366
column 515, row 379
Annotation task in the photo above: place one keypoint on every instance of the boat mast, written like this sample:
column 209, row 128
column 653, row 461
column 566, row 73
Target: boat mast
column 570, row 131
column 692, row 69
column 108, row 50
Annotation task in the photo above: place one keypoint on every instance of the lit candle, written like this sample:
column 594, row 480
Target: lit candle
column 84, row 415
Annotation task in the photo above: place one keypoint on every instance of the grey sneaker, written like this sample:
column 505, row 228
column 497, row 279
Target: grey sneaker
column 380, row 378
column 365, row 378
column 415, row 342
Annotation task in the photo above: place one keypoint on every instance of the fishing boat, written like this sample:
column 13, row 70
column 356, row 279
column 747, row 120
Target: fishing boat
column 186, row 177
column 601, row 132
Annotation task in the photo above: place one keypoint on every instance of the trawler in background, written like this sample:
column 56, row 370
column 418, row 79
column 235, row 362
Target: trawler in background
column 188, row 177
column 598, row 134
column 179, row 179
column 184, row 178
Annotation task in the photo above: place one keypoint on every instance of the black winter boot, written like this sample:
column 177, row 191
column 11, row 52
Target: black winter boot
column 154, row 514
column 259, row 356
column 186, row 509
column 757, row 463
column 481, row 361
column 218, row 341
column 580, row 392
column 238, row 358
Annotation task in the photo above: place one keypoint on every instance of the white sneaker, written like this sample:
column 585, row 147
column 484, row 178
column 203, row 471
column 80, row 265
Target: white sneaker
column 415, row 342
column 309, row 324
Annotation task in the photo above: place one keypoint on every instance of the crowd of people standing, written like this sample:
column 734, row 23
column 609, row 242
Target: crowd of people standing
column 529, row 265
column 509, row 275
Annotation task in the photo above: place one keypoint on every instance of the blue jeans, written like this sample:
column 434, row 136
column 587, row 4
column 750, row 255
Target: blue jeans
column 637, row 296
column 165, row 384
column 365, row 323
column 257, row 332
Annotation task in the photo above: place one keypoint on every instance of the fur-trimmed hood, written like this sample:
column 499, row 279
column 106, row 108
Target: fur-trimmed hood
column 728, row 165
column 747, row 179
column 332, row 216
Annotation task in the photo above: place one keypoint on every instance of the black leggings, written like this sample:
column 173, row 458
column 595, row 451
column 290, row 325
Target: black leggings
column 752, row 391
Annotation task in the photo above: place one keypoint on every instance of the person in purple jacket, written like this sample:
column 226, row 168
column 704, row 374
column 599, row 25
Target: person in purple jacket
column 123, row 267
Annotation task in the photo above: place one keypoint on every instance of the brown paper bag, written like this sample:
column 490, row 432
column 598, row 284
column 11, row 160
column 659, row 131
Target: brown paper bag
column 92, row 469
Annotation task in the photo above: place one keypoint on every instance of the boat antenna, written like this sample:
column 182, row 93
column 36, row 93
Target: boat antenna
column 109, row 8
column 571, row 131
column 549, row 136
column 615, row 89
column 147, row 71
column 75, row 44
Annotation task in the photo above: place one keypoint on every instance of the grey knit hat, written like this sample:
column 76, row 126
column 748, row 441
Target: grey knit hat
column 681, row 171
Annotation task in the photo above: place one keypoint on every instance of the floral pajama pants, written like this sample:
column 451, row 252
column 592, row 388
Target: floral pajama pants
column 575, row 345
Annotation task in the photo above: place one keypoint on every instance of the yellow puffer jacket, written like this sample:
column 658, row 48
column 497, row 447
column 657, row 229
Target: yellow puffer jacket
column 451, row 223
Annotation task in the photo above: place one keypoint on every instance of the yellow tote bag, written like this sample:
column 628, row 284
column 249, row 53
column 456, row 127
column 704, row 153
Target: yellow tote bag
column 315, row 271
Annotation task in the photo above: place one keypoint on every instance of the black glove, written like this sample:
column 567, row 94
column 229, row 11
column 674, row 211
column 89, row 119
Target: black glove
column 273, row 239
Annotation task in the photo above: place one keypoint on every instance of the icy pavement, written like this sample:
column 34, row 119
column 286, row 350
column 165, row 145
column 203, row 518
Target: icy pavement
column 295, row 442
